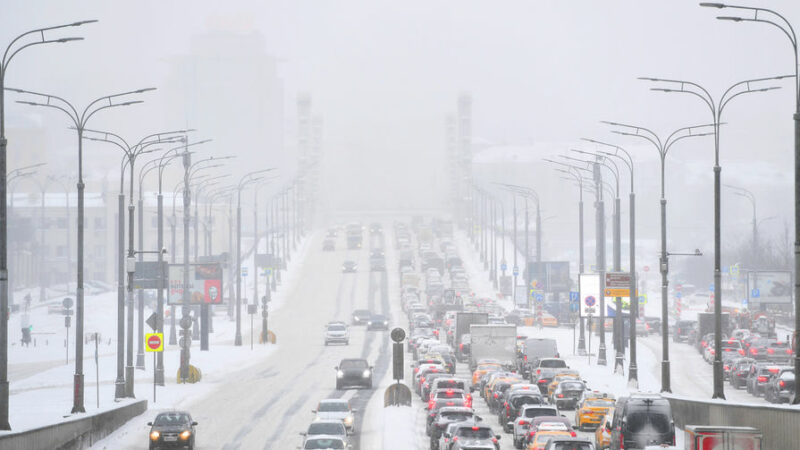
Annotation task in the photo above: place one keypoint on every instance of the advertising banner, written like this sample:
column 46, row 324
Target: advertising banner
column 205, row 284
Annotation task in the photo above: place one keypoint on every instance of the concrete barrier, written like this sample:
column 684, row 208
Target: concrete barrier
column 779, row 424
column 74, row 434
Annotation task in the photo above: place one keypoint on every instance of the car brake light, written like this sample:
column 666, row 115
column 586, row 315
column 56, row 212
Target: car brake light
column 538, row 371
column 523, row 422
column 762, row 379
column 495, row 395
column 753, row 351
column 573, row 434
column 560, row 395
column 782, row 383
column 475, row 428
column 461, row 347
column 621, row 441
column 449, row 392
column 731, row 341
column 726, row 368
column 741, row 352
column 788, row 351
column 431, row 404
column 542, row 381
column 770, row 351
column 773, row 370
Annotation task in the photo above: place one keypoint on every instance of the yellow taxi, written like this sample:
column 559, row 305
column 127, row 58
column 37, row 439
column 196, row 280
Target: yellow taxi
column 548, row 320
column 541, row 438
column 484, row 368
column 562, row 375
column 602, row 435
column 592, row 410
column 489, row 388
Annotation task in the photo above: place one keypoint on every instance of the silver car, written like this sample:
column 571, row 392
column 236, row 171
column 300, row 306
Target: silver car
column 336, row 409
column 337, row 332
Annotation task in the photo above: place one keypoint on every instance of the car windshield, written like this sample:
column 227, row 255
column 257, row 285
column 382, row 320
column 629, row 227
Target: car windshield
column 642, row 422
column 572, row 446
column 353, row 364
column 536, row 412
column 554, row 363
column 336, row 328
column 598, row 403
column 571, row 386
column 324, row 444
column 525, row 400
column 174, row 418
column 333, row 406
column 334, row 428
column 475, row 433
column 457, row 416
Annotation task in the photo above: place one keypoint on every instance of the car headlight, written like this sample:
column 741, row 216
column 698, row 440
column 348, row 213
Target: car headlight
column 154, row 435
column 366, row 374
column 348, row 420
column 339, row 374
column 185, row 435
column 386, row 322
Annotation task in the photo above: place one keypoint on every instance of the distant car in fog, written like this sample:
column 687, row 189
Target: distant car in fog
column 349, row 266
column 361, row 316
column 328, row 245
column 378, row 322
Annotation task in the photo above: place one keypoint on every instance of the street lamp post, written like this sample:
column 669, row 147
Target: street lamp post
column 633, row 370
column 9, row 53
column 716, row 108
column 243, row 182
column 63, row 182
column 775, row 19
column 79, row 120
column 663, row 148
column 742, row 192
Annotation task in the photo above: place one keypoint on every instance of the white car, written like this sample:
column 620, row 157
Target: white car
column 337, row 332
column 336, row 409
column 325, row 428
column 522, row 424
column 322, row 442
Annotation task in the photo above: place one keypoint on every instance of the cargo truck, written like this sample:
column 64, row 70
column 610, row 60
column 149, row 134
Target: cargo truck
column 463, row 322
column 498, row 342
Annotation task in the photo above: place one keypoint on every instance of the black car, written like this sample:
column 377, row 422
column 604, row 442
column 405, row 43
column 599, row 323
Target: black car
column 738, row 371
column 172, row 429
column 349, row 266
column 513, row 405
column 568, row 393
column 644, row 419
column 361, row 316
column 682, row 329
column 445, row 417
column 378, row 322
column 353, row 373
column 781, row 387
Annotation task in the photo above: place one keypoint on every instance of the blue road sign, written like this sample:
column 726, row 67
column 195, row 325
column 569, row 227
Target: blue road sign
column 539, row 297
column 642, row 299
column 755, row 293
column 678, row 294
column 573, row 306
column 711, row 287
column 244, row 271
column 503, row 266
column 744, row 302
column 516, row 270
column 574, row 296
column 590, row 301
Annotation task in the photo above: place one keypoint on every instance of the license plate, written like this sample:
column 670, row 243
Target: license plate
column 170, row 438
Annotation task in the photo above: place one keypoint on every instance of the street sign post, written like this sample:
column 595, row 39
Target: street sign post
column 154, row 343
column 589, row 293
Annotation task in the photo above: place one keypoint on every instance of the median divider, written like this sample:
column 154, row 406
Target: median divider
column 779, row 424
column 75, row 433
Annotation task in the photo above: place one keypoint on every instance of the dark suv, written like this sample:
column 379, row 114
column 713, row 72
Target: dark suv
column 172, row 429
column 682, row 329
column 353, row 372
column 644, row 419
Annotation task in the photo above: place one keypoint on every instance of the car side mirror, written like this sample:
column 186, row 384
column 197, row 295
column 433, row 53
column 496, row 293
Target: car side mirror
column 149, row 424
column 497, row 436
column 194, row 424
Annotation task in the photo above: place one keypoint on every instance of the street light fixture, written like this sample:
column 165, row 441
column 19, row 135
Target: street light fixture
column 716, row 107
column 8, row 55
column 663, row 148
column 79, row 120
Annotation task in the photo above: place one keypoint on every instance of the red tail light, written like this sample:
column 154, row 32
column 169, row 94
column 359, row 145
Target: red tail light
column 741, row 352
column 560, row 395
column 538, row 371
column 771, row 351
column 495, row 395
column 494, row 440
column 475, row 428
column 525, row 358
column 788, row 351
column 621, row 441
column 449, row 392
column 753, row 351
column 542, row 381
column 773, row 370
column 573, row 434
column 431, row 404
column 461, row 347
column 782, row 384
column 726, row 368
column 524, row 422
column 762, row 379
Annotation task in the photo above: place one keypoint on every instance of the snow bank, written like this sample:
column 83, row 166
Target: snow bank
column 397, row 421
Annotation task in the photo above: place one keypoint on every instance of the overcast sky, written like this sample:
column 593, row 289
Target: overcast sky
column 383, row 74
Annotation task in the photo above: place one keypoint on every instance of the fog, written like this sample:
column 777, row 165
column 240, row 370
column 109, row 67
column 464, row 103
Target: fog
column 382, row 76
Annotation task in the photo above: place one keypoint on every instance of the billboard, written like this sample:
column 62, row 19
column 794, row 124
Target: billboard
column 205, row 284
column 773, row 287
column 550, row 276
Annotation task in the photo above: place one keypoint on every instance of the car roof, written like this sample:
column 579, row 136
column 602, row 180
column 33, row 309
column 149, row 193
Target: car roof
column 334, row 400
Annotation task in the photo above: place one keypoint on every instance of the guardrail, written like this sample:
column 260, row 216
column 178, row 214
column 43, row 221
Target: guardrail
column 779, row 424
column 77, row 434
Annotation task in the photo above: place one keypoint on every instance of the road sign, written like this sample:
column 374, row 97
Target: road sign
column 574, row 296
column 643, row 299
column 154, row 342
column 711, row 287
column 618, row 292
column 539, row 297
column 503, row 266
column 66, row 303
column 590, row 301
column 244, row 271
column 186, row 322
column 516, row 270
column 153, row 322
column 755, row 293
column 398, row 334
column 589, row 288
column 678, row 294
column 646, row 268
column 618, row 280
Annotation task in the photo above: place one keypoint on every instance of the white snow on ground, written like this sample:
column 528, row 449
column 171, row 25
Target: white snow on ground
column 41, row 381
column 398, row 428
